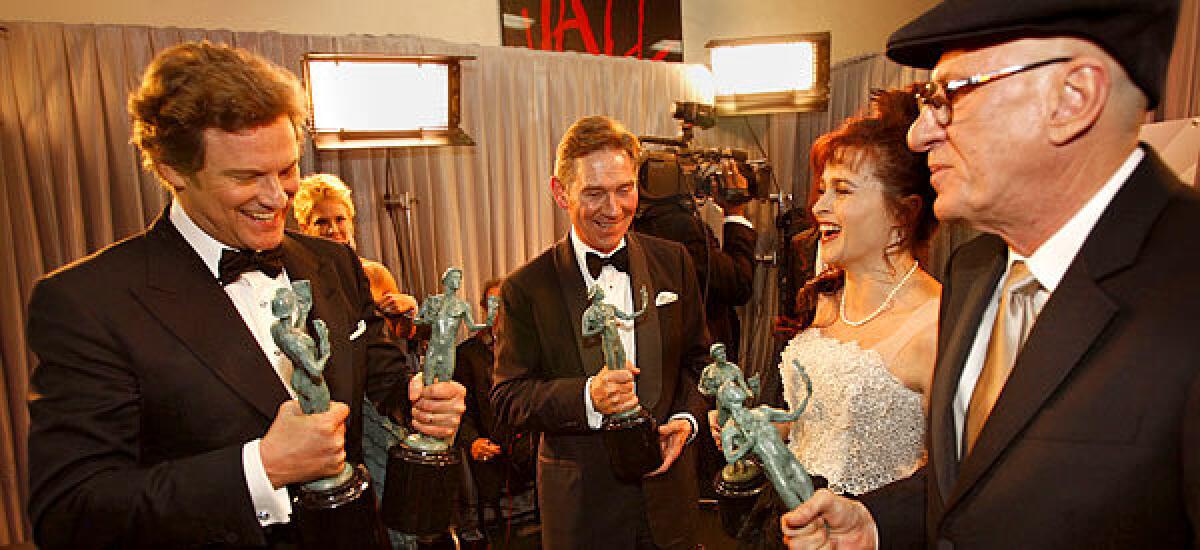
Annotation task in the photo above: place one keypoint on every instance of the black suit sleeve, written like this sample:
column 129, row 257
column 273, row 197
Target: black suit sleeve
column 725, row 273
column 471, row 427
column 899, row 511
column 524, row 396
column 387, row 366
column 731, row 271
column 696, row 341
column 1191, row 458
column 88, row 485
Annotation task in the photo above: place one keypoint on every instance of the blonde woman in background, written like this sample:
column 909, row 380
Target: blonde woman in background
column 323, row 208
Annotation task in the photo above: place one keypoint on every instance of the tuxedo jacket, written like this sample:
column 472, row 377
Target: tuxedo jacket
column 542, row 363
column 725, row 271
column 149, row 383
column 1094, row 441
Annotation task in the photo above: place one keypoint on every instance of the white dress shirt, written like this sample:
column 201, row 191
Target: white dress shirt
column 251, row 295
column 1048, row 264
column 618, row 292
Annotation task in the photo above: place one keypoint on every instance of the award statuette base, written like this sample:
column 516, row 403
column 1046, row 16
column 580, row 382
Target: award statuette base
column 632, row 442
column 422, row 486
column 738, row 486
column 339, row 512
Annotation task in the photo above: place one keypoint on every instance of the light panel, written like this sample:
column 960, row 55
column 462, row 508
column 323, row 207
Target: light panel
column 364, row 100
column 770, row 74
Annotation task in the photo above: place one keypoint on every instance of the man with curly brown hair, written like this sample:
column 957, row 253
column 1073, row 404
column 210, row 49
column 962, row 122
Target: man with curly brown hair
column 163, row 416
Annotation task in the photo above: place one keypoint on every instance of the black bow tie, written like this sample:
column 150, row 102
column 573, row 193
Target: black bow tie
column 619, row 260
column 235, row 262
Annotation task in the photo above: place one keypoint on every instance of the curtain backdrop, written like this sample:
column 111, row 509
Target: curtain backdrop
column 71, row 183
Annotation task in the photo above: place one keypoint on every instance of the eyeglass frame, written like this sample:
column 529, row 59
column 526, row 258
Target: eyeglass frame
column 926, row 93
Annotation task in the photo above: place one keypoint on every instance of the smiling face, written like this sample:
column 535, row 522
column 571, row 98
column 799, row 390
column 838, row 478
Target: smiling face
column 602, row 200
column 330, row 218
column 855, row 224
column 241, row 194
column 988, row 164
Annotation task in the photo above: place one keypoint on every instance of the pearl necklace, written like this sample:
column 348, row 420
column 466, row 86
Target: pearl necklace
column 883, row 306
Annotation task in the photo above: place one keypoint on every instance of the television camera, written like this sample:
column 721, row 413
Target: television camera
column 670, row 168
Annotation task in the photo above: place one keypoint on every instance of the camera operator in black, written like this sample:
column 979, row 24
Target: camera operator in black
column 725, row 272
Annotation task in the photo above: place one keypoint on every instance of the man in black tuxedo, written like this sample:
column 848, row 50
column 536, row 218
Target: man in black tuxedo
column 163, row 414
column 1065, row 405
column 550, row 379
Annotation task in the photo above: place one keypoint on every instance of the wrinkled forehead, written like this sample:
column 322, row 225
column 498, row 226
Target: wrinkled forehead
column 969, row 60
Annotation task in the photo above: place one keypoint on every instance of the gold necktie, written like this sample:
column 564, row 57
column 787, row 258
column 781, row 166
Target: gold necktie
column 1014, row 317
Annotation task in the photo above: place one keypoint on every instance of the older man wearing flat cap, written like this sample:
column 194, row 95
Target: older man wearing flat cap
column 1065, row 405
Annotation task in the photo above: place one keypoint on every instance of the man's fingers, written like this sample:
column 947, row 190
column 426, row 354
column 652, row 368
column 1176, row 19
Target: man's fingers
column 415, row 385
column 448, row 390
column 338, row 411
column 632, row 369
column 290, row 407
column 827, row 520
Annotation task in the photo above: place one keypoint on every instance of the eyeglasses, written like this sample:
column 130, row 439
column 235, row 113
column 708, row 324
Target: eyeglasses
column 938, row 96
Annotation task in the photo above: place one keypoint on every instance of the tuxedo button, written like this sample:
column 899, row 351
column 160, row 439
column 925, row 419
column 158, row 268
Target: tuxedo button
column 264, row 516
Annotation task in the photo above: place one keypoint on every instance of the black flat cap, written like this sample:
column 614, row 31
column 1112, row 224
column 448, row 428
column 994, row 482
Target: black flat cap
column 1139, row 34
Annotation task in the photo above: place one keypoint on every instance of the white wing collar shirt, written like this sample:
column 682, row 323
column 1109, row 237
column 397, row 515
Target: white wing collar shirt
column 618, row 292
column 1048, row 264
column 251, row 295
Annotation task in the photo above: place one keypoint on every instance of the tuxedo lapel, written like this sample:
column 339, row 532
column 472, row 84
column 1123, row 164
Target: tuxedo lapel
column 1074, row 318
column 574, row 295
column 979, row 272
column 184, row 296
column 646, row 328
column 302, row 264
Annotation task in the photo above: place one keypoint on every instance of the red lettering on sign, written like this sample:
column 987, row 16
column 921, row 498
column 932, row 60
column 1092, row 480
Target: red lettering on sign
column 554, row 26
column 578, row 23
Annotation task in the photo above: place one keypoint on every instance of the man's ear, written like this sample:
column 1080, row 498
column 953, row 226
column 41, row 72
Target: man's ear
column 559, row 190
column 176, row 180
column 1078, row 100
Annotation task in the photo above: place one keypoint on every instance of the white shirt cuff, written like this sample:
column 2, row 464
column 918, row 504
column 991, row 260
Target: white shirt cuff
column 691, row 420
column 271, row 505
column 739, row 220
column 594, row 418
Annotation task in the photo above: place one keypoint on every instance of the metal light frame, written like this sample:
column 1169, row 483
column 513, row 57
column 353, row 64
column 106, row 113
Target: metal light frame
column 340, row 138
column 813, row 99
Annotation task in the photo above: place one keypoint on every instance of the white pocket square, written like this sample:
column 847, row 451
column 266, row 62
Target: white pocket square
column 665, row 297
column 359, row 330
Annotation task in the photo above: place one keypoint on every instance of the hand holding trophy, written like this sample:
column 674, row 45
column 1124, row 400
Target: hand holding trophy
column 422, row 471
column 631, row 435
column 344, row 499
column 751, row 431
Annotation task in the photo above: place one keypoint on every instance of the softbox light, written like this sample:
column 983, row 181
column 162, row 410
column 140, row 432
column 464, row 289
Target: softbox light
column 771, row 74
column 369, row 100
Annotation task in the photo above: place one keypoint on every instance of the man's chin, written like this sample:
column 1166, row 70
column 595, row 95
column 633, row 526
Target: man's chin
column 265, row 242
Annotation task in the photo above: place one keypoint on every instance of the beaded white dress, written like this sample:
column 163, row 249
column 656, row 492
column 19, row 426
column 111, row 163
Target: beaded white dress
column 863, row 428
